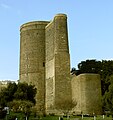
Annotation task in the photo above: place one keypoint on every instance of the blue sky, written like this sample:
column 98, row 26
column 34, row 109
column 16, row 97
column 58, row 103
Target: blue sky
column 90, row 27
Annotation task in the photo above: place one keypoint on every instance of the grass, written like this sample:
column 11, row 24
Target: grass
column 21, row 116
column 100, row 117
column 77, row 118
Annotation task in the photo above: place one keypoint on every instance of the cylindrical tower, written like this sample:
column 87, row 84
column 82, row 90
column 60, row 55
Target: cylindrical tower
column 32, row 57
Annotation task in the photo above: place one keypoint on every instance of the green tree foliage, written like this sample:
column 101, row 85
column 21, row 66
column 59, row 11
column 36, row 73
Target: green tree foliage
column 108, row 97
column 20, row 91
column 7, row 94
column 104, row 68
column 90, row 66
column 21, row 106
column 2, row 113
column 106, row 72
column 73, row 71
column 25, row 92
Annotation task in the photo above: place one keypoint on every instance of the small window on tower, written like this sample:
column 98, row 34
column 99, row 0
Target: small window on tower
column 43, row 64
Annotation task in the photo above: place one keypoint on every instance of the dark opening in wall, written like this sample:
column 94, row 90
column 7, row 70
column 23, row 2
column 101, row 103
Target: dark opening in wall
column 43, row 64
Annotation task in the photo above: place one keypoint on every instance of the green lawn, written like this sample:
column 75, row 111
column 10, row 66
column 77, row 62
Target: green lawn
column 20, row 116
column 78, row 118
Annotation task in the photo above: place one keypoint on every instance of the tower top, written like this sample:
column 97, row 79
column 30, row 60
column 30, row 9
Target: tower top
column 60, row 15
column 28, row 24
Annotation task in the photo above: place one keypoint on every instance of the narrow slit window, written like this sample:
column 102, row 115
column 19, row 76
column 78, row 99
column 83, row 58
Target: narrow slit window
column 43, row 64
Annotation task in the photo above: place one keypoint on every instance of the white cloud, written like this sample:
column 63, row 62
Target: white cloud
column 108, row 59
column 5, row 6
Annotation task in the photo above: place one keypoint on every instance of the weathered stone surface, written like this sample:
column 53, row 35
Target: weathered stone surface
column 86, row 90
column 58, row 82
column 32, row 58
column 45, row 59
column 45, row 63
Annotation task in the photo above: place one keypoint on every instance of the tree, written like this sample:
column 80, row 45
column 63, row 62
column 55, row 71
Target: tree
column 23, row 106
column 90, row 66
column 106, row 72
column 25, row 92
column 108, row 97
column 104, row 68
column 7, row 94
column 20, row 91
column 66, row 105
column 2, row 113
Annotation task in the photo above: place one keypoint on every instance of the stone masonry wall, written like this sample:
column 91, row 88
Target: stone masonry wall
column 76, row 93
column 86, row 90
column 32, row 58
column 58, row 84
column 62, row 60
column 50, row 66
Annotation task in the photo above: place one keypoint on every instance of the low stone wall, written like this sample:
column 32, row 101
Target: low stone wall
column 86, row 90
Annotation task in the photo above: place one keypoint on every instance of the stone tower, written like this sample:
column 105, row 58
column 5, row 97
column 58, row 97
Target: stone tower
column 45, row 60
column 45, row 63
column 58, row 84
column 32, row 57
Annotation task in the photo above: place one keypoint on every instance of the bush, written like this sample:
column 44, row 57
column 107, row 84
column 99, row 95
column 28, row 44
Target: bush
column 3, row 114
column 12, row 117
column 52, row 114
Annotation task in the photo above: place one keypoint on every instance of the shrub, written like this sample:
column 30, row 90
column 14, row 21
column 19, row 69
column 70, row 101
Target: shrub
column 3, row 114
column 12, row 117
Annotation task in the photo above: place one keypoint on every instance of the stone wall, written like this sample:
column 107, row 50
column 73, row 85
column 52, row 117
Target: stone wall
column 32, row 58
column 50, row 66
column 62, row 59
column 58, row 83
column 86, row 90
